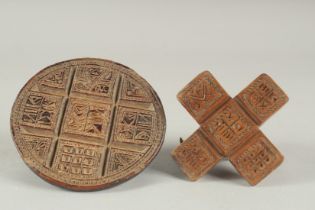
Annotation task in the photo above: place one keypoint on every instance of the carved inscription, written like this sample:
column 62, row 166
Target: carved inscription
column 119, row 160
column 87, row 118
column 202, row 95
column 134, row 126
column 87, row 124
column 77, row 159
column 256, row 159
column 40, row 110
column 37, row 146
column 231, row 126
column 94, row 80
column 196, row 156
column 262, row 98
column 56, row 79
column 133, row 91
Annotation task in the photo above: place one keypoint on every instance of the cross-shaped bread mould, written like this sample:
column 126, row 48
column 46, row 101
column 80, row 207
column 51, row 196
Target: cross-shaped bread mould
column 229, row 127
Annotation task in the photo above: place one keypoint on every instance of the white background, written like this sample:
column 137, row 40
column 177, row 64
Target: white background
column 169, row 43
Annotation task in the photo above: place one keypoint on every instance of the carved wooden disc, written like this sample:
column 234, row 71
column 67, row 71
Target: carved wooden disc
column 87, row 124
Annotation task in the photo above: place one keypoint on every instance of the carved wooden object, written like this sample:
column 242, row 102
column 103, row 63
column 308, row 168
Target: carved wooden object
column 229, row 127
column 87, row 124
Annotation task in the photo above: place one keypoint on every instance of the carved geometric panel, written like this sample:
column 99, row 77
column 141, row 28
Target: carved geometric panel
column 120, row 160
column 37, row 147
column 202, row 96
column 196, row 156
column 57, row 79
column 87, row 124
column 229, row 127
column 262, row 98
column 256, row 159
column 87, row 118
column 78, row 159
column 94, row 80
column 134, row 126
column 40, row 110
column 133, row 91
